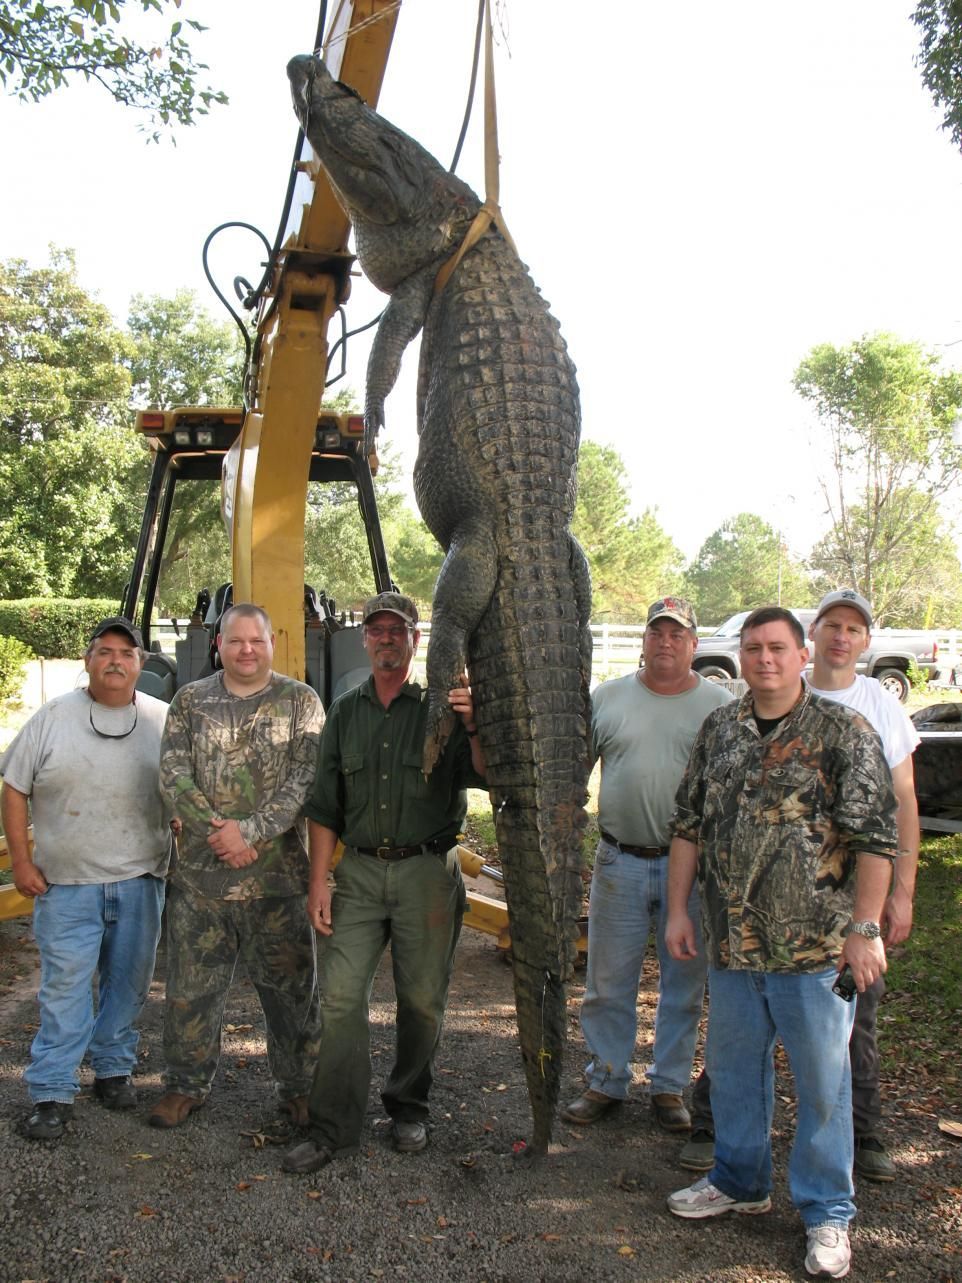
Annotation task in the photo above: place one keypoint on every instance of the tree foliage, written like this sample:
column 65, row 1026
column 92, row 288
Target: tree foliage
column 940, row 58
column 70, row 470
column 741, row 565
column 917, row 575
column 45, row 46
column 888, row 412
column 632, row 560
column 181, row 355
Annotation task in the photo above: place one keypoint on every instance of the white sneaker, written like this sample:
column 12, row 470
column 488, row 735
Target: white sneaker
column 703, row 1199
column 829, row 1253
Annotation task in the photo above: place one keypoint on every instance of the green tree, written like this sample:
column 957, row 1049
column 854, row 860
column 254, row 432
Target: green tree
column 70, row 469
column 888, row 411
column 741, row 565
column 44, row 46
column 632, row 559
column 182, row 356
column 414, row 555
column 940, row 58
column 917, row 574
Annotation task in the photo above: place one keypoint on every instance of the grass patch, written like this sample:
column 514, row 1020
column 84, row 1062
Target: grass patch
column 919, row 1018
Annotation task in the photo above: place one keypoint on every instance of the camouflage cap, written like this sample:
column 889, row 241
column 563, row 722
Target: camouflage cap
column 676, row 608
column 118, row 624
column 394, row 603
column 845, row 597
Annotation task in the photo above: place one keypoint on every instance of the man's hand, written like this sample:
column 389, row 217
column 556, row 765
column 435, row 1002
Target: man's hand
column 680, row 938
column 865, row 957
column 319, row 908
column 27, row 878
column 240, row 861
column 227, row 839
column 462, row 703
column 896, row 921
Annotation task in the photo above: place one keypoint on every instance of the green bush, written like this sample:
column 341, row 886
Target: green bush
column 55, row 627
column 13, row 660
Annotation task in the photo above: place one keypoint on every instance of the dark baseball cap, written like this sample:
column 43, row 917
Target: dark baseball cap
column 845, row 597
column 117, row 624
column 394, row 603
column 676, row 608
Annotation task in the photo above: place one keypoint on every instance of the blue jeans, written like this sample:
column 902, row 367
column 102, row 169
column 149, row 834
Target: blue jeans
column 629, row 899
column 108, row 928
column 747, row 1011
column 416, row 904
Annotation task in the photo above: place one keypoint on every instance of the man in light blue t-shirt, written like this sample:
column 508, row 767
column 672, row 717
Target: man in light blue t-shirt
column 643, row 727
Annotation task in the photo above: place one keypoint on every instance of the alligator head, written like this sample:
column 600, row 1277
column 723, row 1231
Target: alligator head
column 406, row 209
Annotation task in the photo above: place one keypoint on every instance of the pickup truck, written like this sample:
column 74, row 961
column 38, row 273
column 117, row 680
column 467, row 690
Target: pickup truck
column 891, row 653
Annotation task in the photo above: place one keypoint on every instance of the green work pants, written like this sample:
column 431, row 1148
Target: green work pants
column 417, row 904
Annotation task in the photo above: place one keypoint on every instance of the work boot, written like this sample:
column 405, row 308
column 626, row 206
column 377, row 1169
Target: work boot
column 48, row 1120
column 872, row 1161
column 116, row 1093
column 698, row 1152
column 307, row 1157
column 670, row 1112
column 294, row 1111
column 589, row 1107
column 173, row 1109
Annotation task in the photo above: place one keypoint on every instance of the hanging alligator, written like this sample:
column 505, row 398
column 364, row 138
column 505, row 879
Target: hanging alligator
column 499, row 424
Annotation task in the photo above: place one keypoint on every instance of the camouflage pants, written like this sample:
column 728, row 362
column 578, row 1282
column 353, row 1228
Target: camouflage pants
column 204, row 940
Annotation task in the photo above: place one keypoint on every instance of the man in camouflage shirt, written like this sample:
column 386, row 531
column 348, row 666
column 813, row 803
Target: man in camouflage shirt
column 787, row 813
column 237, row 761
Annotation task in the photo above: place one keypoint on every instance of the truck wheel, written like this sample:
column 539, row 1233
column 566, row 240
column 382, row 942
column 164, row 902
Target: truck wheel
column 713, row 673
column 895, row 682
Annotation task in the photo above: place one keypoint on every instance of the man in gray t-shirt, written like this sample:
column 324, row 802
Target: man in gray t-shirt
column 87, row 766
column 642, row 727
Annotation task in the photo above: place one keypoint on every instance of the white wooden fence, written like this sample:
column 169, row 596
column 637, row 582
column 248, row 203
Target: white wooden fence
column 617, row 647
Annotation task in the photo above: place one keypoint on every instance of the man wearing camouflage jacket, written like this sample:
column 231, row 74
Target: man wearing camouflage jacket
column 237, row 761
column 787, row 814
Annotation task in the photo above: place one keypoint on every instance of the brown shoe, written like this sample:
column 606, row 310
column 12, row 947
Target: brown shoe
column 670, row 1112
column 588, row 1108
column 173, row 1109
column 294, row 1111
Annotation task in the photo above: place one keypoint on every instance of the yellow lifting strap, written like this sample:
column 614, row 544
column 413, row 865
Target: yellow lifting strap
column 490, row 211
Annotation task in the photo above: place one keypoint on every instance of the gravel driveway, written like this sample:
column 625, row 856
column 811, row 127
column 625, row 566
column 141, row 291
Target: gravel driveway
column 118, row 1201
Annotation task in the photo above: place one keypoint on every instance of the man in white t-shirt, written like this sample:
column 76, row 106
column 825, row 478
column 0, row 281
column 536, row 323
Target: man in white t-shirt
column 86, row 768
column 642, row 729
column 840, row 633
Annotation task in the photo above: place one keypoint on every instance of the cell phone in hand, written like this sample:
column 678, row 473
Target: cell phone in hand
column 845, row 986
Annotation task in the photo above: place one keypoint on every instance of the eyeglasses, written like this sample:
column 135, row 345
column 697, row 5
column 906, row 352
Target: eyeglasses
column 103, row 734
column 393, row 631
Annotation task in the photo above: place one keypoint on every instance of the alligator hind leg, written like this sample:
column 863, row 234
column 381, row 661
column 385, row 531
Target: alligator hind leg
column 461, row 596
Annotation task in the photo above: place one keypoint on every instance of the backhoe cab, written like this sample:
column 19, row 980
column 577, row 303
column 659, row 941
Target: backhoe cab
column 189, row 446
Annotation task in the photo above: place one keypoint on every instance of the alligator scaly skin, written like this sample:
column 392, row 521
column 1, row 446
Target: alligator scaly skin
column 499, row 425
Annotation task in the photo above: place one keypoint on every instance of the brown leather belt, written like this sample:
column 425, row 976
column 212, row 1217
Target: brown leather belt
column 642, row 852
column 405, row 852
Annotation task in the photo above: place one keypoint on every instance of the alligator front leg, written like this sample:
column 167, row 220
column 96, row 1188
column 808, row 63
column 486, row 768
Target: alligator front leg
column 461, row 596
column 400, row 322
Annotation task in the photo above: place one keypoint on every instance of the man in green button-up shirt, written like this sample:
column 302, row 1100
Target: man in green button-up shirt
column 398, row 880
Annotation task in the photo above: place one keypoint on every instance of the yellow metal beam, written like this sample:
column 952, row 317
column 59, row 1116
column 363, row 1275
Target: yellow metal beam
column 270, row 494
column 12, row 903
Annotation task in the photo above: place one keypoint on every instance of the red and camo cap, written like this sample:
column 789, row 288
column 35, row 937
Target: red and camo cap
column 676, row 608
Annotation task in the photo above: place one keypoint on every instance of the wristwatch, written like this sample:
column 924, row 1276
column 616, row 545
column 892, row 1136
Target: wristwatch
column 870, row 930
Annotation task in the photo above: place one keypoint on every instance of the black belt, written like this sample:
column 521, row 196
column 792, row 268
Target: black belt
column 438, row 847
column 642, row 852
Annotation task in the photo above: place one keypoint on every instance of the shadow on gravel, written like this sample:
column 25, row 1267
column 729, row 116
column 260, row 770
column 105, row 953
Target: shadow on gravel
column 119, row 1202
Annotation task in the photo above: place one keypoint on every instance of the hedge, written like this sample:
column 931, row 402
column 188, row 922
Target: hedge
column 13, row 662
column 55, row 627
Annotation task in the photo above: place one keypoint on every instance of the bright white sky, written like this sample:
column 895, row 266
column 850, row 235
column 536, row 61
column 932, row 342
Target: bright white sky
column 702, row 191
